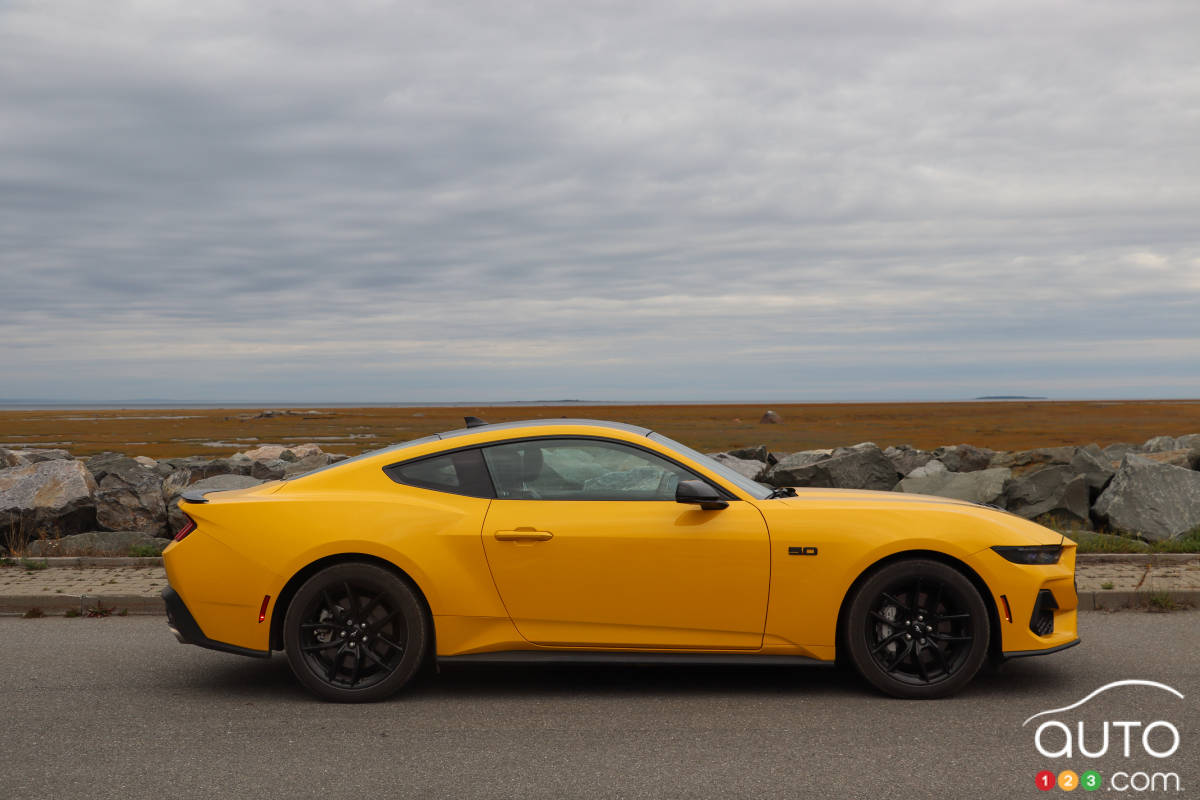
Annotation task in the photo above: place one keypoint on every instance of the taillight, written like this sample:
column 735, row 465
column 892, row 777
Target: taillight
column 188, row 527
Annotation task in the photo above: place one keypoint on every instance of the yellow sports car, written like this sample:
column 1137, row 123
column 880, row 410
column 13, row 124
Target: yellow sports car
column 578, row 539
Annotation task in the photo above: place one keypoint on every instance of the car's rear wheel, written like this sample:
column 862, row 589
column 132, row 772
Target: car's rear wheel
column 917, row 629
column 355, row 633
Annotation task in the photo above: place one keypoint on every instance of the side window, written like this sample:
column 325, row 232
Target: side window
column 581, row 469
column 462, row 472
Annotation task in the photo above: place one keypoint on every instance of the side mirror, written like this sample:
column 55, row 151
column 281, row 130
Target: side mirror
column 701, row 494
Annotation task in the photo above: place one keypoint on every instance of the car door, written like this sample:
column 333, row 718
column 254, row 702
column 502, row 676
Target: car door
column 588, row 547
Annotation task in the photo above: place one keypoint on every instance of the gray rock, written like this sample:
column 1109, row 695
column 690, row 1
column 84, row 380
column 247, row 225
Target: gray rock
column 1091, row 462
column 199, row 467
column 979, row 486
column 1188, row 459
column 36, row 456
column 1159, row 444
column 905, row 458
column 1022, row 461
column 964, row 457
column 1117, row 450
column 97, row 543
column 1056, row 490
column 928, row 469
column 269, row 470
column 743, row 466
column 49, row 498
column 129, row 497
column 1152, row 500
column 770, row 418
column 638, row 479
column 789, row 468
column 215, row 483
column 1189, row 442
column 852, row 468
column 756, row 453
column 10, row 459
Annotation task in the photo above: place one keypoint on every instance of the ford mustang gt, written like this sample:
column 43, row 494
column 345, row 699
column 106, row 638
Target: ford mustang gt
column 578, row 539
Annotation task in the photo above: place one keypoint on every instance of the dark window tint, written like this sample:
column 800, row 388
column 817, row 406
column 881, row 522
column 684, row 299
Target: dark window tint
column 581, row 469
column 462, row 472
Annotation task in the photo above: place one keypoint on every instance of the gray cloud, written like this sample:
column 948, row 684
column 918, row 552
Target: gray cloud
column 639, row 201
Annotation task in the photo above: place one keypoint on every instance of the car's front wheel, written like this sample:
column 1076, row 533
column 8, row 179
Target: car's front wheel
column 917, row 629
column 355, row 633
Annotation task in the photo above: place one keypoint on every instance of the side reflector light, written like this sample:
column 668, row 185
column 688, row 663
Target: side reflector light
column 262, row 611
column 187, row 528
column 1007, row 610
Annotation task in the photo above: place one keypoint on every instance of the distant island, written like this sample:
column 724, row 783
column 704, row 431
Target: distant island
column 1010, row 397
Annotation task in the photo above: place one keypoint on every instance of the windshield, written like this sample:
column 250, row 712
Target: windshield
column 753, row 488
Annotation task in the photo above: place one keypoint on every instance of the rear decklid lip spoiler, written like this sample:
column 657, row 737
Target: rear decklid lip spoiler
column 193, row 496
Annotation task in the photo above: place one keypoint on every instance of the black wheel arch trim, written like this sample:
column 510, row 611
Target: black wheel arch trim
column 188, row 631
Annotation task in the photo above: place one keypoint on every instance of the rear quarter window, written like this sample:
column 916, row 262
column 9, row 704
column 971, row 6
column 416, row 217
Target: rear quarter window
column 462, row 472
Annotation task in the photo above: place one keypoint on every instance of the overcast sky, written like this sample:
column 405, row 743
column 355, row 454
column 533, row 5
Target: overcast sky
column 365, row 201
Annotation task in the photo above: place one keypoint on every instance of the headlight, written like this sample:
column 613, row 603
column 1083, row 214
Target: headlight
column 1041, row 554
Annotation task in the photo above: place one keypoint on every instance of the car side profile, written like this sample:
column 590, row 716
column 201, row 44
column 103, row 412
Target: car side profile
column 588, row 540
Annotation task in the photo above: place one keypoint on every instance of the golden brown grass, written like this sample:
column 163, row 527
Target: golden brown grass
column 999, row 425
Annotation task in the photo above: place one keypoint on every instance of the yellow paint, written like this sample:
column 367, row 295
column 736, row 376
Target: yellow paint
column 650, row 575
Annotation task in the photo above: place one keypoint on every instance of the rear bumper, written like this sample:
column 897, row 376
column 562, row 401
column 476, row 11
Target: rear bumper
column 187, row 631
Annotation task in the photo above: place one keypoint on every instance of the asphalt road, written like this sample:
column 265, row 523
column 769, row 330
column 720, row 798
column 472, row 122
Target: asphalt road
column 115, row 708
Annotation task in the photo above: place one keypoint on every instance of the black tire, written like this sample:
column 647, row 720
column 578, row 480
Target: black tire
column 917, row 629
column 355, row 633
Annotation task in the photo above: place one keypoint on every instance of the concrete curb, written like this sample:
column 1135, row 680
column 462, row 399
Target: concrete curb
column 1160, row 600
column 99, row 561
column 83, row 604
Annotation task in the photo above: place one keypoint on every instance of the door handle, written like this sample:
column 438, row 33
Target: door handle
column 524, row 535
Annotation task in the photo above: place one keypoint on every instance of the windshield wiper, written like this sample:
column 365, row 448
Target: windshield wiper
column 782, row 491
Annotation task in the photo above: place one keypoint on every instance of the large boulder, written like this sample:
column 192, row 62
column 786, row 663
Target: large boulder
column 860, row 467
column 1022, row 461
column 1189, row 442
column 10, row 459
column 964, row 457
column 979, row 486
column 906, row 458
column 1188, row 459
column 1059, row 491
column 757, row 453
column 36, row 456
column 50, row 498
column 743, row 466
column 216, row 483
column 1152, row 500
column 130, row 496
column 97, row 543
column 770, row 418
column 1093, row 464
column 1117, row 450
column 198, row 467
column 1159, row 444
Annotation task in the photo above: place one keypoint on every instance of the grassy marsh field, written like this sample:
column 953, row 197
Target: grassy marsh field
column 1008, row 425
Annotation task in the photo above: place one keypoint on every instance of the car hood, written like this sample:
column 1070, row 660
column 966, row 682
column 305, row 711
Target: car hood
column 859, row 501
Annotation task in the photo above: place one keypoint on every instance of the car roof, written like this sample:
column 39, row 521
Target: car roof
column 543, row 423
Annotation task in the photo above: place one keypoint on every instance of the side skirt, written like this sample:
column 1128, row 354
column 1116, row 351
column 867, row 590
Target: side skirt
column 608, row 657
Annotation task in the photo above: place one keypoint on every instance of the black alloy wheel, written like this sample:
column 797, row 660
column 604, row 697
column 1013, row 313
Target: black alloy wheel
column 918, row 629
column 355, row 633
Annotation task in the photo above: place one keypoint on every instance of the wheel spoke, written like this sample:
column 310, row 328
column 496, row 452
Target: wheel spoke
column 369, row 653
column 357, row 666
column 374, row 627
column 896, row 662
column 937, row 601
column 945, row 637
column 920, row 664
column 949, row 617
column 916, row 597
column 370, row 606
column 941, row 657
column 885, row 642
column 311, row 625
column 311, row 648
column 335, row 664
column 390, row 643
column 351, row 598
column 895, row 602
column 333, row 607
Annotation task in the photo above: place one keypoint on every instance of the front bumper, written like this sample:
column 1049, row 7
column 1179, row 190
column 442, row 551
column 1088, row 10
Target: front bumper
column 187, row 630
